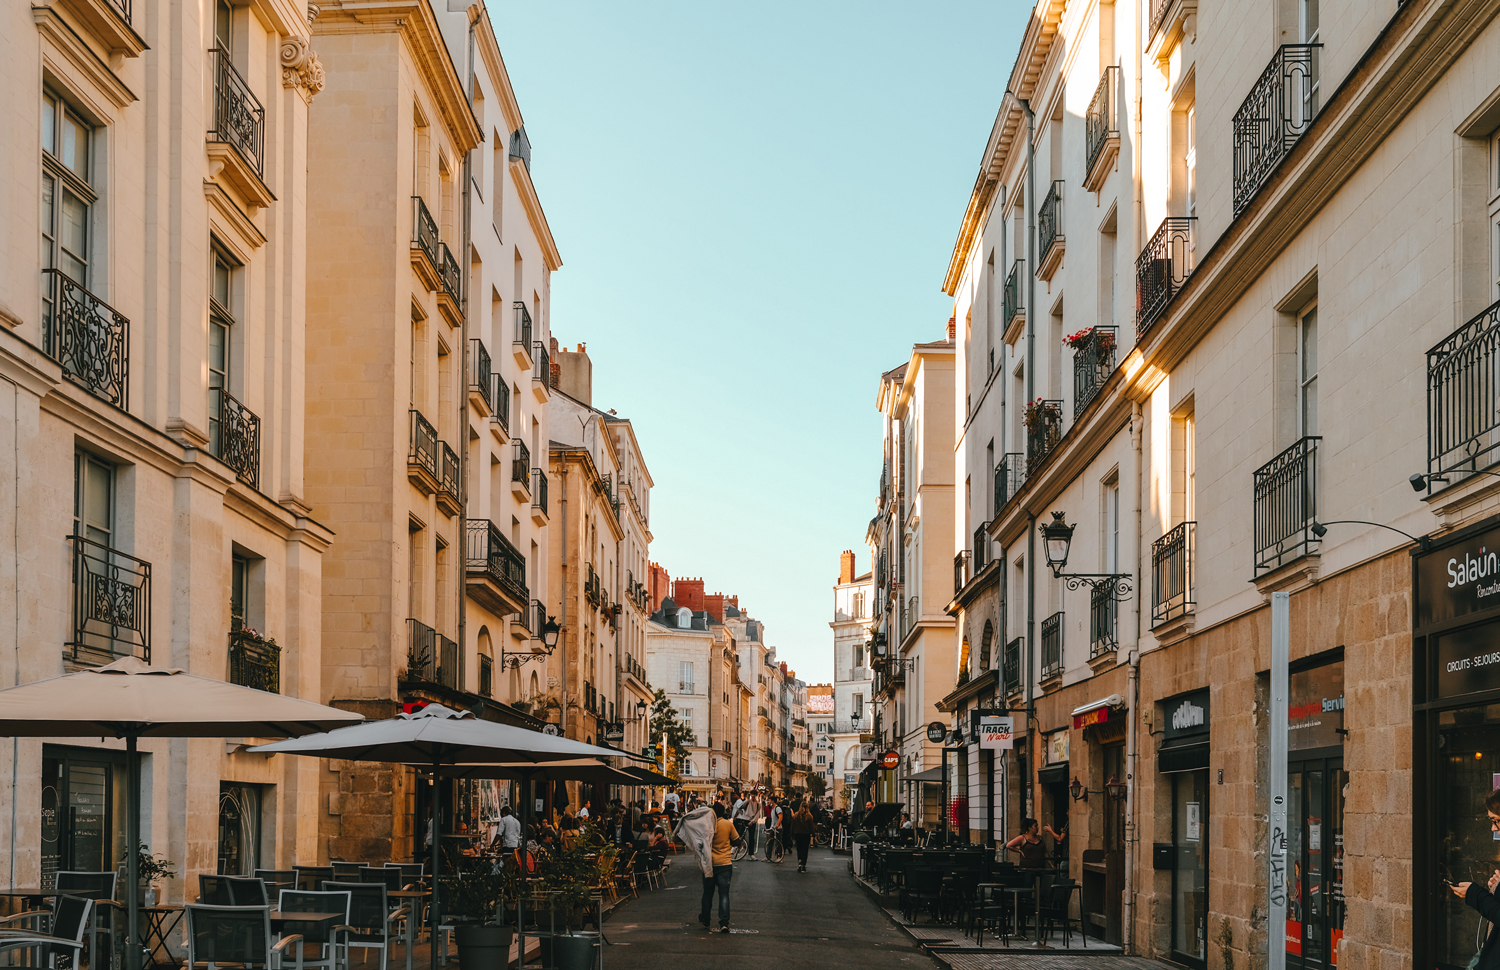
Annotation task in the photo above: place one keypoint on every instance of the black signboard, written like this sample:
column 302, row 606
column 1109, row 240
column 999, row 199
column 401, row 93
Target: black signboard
column 1468, row 661
column 1186, row 715
column 1458, row 580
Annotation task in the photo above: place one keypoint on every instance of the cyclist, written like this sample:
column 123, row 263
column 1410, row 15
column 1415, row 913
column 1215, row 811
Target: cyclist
column 802, row 825
column 774, row 830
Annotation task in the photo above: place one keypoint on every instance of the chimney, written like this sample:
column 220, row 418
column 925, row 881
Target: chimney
column 714, row 604
column 659, row 582
column 688, row 593
column 846, row 567
column 573, row 373
column 952, row 328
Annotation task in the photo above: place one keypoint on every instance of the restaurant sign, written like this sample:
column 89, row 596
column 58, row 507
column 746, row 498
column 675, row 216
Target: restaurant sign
column 1089, row 718
column 890, row 760
column 1186, row 715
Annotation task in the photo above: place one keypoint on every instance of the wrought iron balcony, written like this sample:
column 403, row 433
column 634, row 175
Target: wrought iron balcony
column 539, row 490
column 1013, row 665
column 960, row 571
column 520, row 147
column 449, row 273
column 1014, row 301
column 1049, row 231
column 111, row 604
column 1043, row 431
column 1161, row 269
column 1172, row 573
column 422, row 458
column 450, row 482
column 1463, row 397
column 542, row 371
column 237, row 434
column 1278, row 111
column 981, row 547
column 432, row 657
column 424, row 232
column 481, row 381
column 254, row 662
column 522, row 336
column 1052, row 644
column 1101, row 125
column 496, row 569
column 1103, row 608
column 239, row 119
column 1286, row 505
column 88, row 337
column 520, row 463
column 1093, row 362
column 500, row 403
column 1010, row 475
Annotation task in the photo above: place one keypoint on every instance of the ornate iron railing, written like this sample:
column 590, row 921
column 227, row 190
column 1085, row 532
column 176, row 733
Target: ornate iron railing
column 1463, row 397
column 1049, row 222
column 1286, row 505
column 432, row 657
column 486, row 676
column 522, row 336
column 500, row 403
column 1277, row 112
column 1010, row 475
column 1014, row 299
column 1102, row 120
column 1172, row 573
column 424, row 444
column 449, row 273
column 520, row 463
column 1093, row 362
column 449, row 478
column 960, row 571
column 111, row 604
column 1103, row 608
column 542, row 371
column 487, row 551
column 89, row 338
column 254, row 662
column 424, row 230
column 1043, row 431
column 481, row 381
column 1012, row 669
column 981, row 547
column 539, row 489
column 239, row 438
column 1052, row 644
column 239, row 119
column 1159, row 10
column 1161, row 269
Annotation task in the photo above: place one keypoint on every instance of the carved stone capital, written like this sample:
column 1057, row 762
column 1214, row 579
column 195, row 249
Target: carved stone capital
column 300, row 67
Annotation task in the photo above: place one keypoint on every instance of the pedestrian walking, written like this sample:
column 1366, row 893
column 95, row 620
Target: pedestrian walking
column 773, row 824
column 745, row 818
column 1480, row 898
column 802, row 825
column 710, row 835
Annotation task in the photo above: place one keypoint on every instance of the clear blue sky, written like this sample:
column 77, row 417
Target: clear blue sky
column 755, row 205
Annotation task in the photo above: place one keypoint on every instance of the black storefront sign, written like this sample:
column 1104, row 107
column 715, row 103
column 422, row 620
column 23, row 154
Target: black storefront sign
column 1458, row 580
column 1467, row 661
column 1185, row 733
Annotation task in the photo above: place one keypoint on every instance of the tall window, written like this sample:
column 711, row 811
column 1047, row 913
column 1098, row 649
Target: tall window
column 224, row 27
column 1112, row 526
column 93, row 499
column 239, row 588
column 1190, row 160
column 497, row 194
column 1308, row 32
column 67, row 194
column 220, row 343
column 685, row 671
column 1307, row 372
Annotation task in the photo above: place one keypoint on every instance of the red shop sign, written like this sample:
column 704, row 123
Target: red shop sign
column 890, row 760
column 1089, row 718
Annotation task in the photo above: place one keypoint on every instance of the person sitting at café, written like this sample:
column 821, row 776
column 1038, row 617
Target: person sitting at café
column 659, row 841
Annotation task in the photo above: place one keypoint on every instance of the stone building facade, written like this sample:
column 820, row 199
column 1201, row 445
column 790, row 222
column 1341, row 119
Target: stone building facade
column 852, row 698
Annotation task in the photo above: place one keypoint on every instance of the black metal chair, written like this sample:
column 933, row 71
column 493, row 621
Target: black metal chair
column 59, row 929
column 331, row 942
column 1056, row 909
column 277, row 879
column 347, row 868
column 247, row 891
column 412, row 873
column 100, row 887
column 372, row 920
column 390, row 878
column 310, row 878
column 237, row 936
column 214, row 890
column 922, row 885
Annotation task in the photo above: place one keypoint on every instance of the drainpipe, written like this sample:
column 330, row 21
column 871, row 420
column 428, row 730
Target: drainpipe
column 463, row 383
column 562, row 621
column 1133, row 690
column 1031, row 573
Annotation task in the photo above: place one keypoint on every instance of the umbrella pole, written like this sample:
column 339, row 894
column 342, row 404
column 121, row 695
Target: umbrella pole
column 524, row 857
column 437, row 838
column 132, row 852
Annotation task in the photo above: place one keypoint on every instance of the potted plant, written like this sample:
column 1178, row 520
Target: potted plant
column 473, row 901
column 571, row 879
column 150, row 868
column 1081, row 339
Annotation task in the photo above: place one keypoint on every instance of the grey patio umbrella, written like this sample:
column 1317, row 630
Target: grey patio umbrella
column 436, row 737
column 130, row 699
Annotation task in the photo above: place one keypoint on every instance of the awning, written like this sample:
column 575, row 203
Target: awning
column 934, row 775
column 1095, row 712
column 1188, row 754
column 870, row 769
column 1053, row 774
column 646, row 776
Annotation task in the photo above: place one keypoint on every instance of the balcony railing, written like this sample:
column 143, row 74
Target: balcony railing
column 238, row 444
column 1014, row 300
column 960, row 571
column 1052, row 643
column 1286, row 506
column 481, row 381
column 486, row 676
column 88, row 337
column 1043, row 431
column 543, row 369
column 1049, row 224
column 1161, row 269
column 981, row 547
column 111, row 604
column 449, row 479
column 1172, row 573
column 500, row 403
column 520, row 463
column 1278, row 111
column 1101, row 123
column 489, row 553
column 522, row 336
column 539, row 490
column 449, row 273
column 1463, row 397
column 424, row 445
column 1013, row 665
column 432, row 657
column 424, row 231
column 239, row 120
column 254, row 662
column 1093, row 362
column 1103, row 607
column 910, row 617
column 1010, row 475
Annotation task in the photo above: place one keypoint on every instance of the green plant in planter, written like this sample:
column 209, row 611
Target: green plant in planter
column 571, row 877
column 150, row 868
column 474, row 895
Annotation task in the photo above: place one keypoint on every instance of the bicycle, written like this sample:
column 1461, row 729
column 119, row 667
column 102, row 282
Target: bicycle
column 776, row 848
column 821, row 837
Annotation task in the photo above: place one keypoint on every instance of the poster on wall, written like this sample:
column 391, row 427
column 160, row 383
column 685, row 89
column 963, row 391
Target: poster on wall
column 1194, row 822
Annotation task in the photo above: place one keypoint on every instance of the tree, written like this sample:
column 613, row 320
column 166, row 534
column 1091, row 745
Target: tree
column 666, row 726
column 816, row 785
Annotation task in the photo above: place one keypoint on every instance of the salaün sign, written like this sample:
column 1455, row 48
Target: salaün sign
column 1458, row 580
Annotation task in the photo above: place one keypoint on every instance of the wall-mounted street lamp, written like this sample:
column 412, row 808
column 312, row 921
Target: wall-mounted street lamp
column 550, row 630
column 1057, row 540
column 1079, row 792
column 1320, row 529
column 881, row 652
column 1116, row 789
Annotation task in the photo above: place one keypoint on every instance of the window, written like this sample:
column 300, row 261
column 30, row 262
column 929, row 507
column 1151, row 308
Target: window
column 822, row 760
column 224, row 27
column 859, row 705
column 67, row 196
column 1307, row 372
column 82, row 824
column 1190, row 161
column 497, row 195
column 239, row 829
column 1108, row 237
column 239, row 588
column 1308, row 32
column 685, row 685
column 220, row 344
column 94, row 499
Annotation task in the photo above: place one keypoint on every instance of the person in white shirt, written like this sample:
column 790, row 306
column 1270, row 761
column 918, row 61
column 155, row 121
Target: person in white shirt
column 584, row 811
column 746, row 817
column 671, row 800
column 509, row 831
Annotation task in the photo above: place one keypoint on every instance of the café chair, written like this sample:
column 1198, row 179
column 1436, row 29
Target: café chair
column 60, row 929
column 239, row 937
column 386, row 876
column 100, row 887
column 347, row 868
column 277, row 878
column 214, row 890
column 331, row 942
column 247, row 891
column 310, row 878
column 372, row 921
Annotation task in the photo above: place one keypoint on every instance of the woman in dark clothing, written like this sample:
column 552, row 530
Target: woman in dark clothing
column 1029, row 846
column 1480, row 898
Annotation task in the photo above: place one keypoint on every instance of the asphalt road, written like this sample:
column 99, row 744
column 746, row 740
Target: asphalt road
column 816, row 920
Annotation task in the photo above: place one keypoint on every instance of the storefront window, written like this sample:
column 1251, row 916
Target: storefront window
column 1190, row 872
column 83, row 793
column 239, row 829
column 1316, row 785
column 1467, row 769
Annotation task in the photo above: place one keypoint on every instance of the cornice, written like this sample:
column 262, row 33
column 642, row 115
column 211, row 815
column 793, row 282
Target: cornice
column 26, row 366
column 494, row 63
column 81, row 57
column 534, row 214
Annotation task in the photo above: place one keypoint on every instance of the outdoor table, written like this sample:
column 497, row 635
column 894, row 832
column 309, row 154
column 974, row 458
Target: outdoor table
column 1037, row 874
column 1015, row 908
column 411, row 920
column 157, row 923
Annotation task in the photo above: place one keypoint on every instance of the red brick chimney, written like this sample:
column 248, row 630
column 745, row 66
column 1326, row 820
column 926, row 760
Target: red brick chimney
column 689, row 593
column 846, row 567
column 658, row 581
column 714, row 604
column 952, row 328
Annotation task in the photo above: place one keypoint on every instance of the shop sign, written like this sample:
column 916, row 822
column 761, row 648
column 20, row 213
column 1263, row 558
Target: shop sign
column 867, row 752
column 1468, row 661
column 890, row 760
column 997, row 733
column 1458, row 580
column 1089, row 718
column 1315, row 707
column 1187, row 715
column 1057, row 746
column 936, row 732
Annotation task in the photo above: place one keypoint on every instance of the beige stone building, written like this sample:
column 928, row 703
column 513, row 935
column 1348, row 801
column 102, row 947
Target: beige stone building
column 853, row 626
column 152, row 383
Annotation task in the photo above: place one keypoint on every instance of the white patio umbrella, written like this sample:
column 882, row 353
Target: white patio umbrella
column 130, row 699
column 439, row 738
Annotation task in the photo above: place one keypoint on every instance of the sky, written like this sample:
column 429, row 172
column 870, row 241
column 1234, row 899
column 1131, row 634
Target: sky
column 755, row 205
